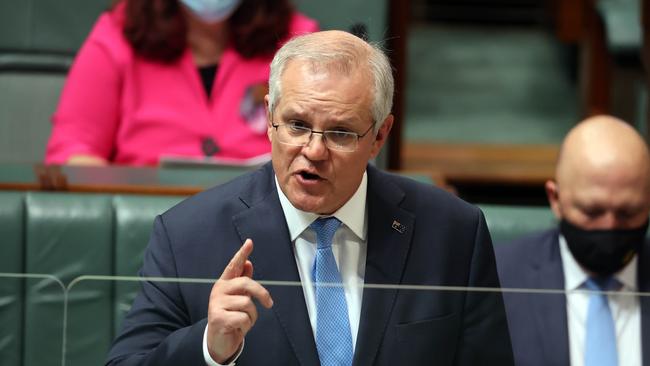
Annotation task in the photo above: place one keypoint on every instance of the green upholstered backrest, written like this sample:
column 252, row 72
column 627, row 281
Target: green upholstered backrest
column 343, row 14
column 27, row 101
column 38, row 40
column 67, row 235
column 622, row 22
column 510, row 222
column 11, row 260
column 47, row 25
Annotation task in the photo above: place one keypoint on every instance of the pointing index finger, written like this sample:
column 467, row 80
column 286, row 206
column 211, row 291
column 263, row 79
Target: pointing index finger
column 236, row 266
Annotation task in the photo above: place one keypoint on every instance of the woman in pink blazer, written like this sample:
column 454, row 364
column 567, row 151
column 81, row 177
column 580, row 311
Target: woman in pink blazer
column 160, row 78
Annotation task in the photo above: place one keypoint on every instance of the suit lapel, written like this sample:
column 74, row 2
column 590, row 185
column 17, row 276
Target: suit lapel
column 548, row 274
column 273, row 259
column 389, row 237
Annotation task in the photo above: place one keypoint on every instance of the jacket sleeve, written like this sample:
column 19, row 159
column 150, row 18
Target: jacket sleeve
column 485, row 339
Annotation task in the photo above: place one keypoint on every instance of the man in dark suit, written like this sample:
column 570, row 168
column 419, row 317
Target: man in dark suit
column 329, row 114
column 601, row 195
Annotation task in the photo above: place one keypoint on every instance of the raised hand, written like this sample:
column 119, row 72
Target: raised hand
column 231, row 311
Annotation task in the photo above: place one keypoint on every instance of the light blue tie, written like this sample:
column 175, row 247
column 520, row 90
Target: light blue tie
column 333, row 338
column 600, row 345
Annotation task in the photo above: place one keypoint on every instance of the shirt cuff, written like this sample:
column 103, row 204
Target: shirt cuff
column 206, row 354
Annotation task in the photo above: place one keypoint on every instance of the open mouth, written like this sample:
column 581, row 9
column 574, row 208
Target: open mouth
column 309, row 176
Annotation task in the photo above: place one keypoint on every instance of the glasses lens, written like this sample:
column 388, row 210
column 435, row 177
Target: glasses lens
column 293, row 135
column 341, row 141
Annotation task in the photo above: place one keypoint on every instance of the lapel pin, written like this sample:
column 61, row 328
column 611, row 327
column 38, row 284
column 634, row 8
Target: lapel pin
column 397, row 226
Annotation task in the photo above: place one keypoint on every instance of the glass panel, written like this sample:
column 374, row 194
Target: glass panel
column 399, row 324
column 31, row 318
column 89, row 327
column 406, row 324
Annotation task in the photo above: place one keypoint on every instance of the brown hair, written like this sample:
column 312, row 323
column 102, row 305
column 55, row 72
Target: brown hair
column 156, row 29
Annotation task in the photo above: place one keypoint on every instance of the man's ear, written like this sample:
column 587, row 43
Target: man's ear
column 382, row 135
column 269, row 122
column 553, row 197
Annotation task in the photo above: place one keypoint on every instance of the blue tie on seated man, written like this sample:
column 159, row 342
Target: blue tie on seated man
column 601, row 196
column 320, row 213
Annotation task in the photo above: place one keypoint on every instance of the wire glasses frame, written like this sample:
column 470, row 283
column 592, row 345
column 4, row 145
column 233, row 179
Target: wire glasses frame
column 296, row 135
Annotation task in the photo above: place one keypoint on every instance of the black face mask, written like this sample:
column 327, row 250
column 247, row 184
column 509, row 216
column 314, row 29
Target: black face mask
column 603, row 252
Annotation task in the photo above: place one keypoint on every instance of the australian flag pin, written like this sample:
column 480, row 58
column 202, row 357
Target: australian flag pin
column 397, row 226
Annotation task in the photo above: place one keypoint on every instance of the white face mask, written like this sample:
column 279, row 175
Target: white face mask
column 212, row 11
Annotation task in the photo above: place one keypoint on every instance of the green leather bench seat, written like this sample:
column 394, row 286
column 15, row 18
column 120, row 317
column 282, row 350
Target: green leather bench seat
column 510, row 222
column 38, row 41
column 69, row 235
column 622, row 23
column 373, row 15
column 11, row 260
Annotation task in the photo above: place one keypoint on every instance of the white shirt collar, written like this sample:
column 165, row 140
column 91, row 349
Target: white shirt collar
column 575, row 275
column 352, row 214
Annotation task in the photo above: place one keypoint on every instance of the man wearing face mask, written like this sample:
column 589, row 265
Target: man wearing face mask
column 601, row 196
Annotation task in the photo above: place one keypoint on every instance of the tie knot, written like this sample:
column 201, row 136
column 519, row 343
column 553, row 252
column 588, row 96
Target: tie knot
column 602, row 284
column 325, row 228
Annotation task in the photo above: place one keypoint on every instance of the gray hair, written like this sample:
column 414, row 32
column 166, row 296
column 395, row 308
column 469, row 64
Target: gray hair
column 345, row 55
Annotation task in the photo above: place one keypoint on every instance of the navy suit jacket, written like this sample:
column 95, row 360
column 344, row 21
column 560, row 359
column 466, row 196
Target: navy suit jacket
column 441, row 241
column 538, row 322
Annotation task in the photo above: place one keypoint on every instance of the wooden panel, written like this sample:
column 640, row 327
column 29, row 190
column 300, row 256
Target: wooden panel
column 483, row 164
column 398, row 35
column 501, row 174
column 595, row 67
column 569, row 19
column 114, row 179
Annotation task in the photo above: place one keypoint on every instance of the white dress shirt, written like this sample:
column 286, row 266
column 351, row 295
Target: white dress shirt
column 625, row 309
column 349, row 249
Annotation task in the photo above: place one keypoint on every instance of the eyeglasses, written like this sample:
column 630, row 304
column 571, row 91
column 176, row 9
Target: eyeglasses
column 296, row 135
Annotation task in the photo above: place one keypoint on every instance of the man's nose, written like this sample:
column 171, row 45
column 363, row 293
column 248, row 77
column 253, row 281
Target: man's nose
column 316, row 149
column 611, row 221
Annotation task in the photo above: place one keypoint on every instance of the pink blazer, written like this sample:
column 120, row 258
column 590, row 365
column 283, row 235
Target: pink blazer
column 128, row 110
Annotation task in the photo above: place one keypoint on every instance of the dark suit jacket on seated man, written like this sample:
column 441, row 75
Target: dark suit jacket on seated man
column 601, row 194
column 329, row 114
